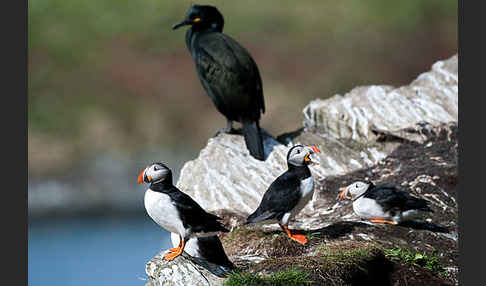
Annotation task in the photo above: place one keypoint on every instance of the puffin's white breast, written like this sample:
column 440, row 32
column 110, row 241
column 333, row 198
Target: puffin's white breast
column 368, row 208
column 306, row 192
column 160, row 208
column 307, row 187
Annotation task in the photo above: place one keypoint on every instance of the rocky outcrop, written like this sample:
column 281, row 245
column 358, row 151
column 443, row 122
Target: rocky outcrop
column 348, row 129
column 365, row 112
column 183, row 270
column 427, row 170
column 406, row 136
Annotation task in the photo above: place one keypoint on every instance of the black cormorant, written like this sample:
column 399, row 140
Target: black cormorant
column 227, row 72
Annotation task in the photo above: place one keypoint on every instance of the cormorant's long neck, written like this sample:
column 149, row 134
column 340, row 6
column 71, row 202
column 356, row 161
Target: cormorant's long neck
column 189, row 35
column 194, row 31
column 301, row 171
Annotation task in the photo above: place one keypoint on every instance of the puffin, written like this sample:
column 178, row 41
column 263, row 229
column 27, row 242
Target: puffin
column 208, row 248
column 227, row 72
column 174, row 210
column 383, row 203
column 288, row 193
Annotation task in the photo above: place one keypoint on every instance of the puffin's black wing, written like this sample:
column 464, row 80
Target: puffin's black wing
column 281, row 197
column 212, row 250
column 229, row 75
column 389, row 197
column 193, row 215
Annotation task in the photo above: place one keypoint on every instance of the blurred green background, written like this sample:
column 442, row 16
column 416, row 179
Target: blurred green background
column 111, row 75
column 112, row 88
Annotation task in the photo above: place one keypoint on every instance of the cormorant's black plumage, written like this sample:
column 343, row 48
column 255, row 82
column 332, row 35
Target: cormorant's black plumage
column 227, row 72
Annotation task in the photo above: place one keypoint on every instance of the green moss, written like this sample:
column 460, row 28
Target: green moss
column 291, row 277
column 347, row 254
column 428, row 261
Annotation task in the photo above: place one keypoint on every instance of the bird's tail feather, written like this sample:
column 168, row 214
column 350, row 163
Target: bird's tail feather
column 427, row 209
column 258, row 217
column 423, row 205
column 254, row 140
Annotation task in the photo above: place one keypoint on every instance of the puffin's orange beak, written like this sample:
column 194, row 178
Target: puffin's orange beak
column 140, row 177
column 307, row 156
column 315, row 149
column 343, row 194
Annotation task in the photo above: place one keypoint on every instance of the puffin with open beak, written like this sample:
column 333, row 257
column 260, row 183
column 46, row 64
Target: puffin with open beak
column 289, row 193
column 174, row 210
column 383, row 203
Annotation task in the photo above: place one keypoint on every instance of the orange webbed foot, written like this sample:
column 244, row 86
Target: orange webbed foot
column 300, row 238
column 171, row 255
column 383, row 221
column 176, row 251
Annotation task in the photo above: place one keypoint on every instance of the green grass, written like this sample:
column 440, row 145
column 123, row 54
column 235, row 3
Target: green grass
column 291, row 277
column 424, row 260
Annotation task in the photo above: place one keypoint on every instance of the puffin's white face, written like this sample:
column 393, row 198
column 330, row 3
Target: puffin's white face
column 299, row 155
column 354, row 190
column 154, row 173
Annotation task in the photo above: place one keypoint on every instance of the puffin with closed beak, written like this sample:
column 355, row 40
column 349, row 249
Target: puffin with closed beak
column 174, row 210
column 288, row 194
column 383, row 203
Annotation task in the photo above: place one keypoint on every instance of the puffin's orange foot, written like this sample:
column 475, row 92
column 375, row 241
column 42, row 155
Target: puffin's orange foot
column 300, row 238
column 383, row 221
column 175, row 249
column 171, row 255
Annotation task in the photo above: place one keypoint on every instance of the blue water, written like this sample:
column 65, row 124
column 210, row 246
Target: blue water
column 94, row 251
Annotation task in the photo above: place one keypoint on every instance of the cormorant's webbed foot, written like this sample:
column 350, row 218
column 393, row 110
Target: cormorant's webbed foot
column 229, row 129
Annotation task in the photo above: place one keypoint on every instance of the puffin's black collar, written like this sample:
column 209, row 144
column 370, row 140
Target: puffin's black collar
column 370, row 187
column 160, row 186
column 360, row 195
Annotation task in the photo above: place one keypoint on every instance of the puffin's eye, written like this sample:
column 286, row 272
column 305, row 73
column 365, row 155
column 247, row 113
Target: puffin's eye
column 155, row 168
column 298, row 151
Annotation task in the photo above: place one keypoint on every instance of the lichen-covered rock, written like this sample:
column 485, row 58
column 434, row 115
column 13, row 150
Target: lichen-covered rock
column 181, row 271
column 353, row 131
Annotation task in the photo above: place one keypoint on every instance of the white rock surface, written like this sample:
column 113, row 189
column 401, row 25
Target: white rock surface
column 431, row 98
column 346, row 128
column 181, row 271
